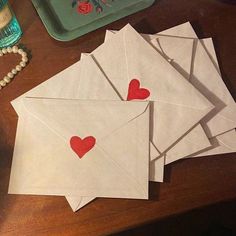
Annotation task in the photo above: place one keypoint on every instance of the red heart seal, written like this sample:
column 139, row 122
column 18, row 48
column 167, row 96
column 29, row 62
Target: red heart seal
column 82, row 146
column 135, row 92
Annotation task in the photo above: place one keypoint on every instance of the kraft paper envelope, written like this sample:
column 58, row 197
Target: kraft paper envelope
column 117, row 151
column 207, row 79
column 195, row 63
column 225, row 146
column 206, row 75
column 171, row 94
column 66, row 85
column 195, row 140
column 170, row 48
column 155, row 73
column 55, row 87
column 85, row 90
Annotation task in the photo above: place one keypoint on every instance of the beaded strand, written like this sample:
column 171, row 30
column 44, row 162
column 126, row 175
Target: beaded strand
column 8, row 78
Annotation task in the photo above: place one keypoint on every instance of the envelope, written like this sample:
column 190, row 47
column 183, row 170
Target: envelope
column 86, row 86
column 171, row 94
column 195, row 64
column 170, row 46
column 55, row 88
column 72, row 147
column 219, row 146
column 195, row 140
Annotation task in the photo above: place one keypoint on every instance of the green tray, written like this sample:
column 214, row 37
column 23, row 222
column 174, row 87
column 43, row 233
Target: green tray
column 69, row 19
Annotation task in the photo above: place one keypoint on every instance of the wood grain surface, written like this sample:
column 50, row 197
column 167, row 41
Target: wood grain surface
column 189, row 184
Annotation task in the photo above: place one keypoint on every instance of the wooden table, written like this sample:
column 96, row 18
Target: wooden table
column 189, row 184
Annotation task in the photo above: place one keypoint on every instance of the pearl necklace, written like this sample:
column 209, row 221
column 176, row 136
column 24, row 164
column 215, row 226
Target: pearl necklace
column 7, row 79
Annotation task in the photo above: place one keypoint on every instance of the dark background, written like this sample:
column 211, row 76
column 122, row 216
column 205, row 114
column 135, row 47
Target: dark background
column 198, row 195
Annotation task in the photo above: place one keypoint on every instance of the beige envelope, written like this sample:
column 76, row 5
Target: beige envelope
column 44, row 162
column 210, row 84
column 195, row 140
column 207, row 79
column 219, row 146
column 55, row 88
column 173, row 96
column 192, row 138
column 74, row 89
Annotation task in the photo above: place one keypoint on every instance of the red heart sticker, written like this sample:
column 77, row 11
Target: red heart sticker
column 135, row 92
column 82, row 146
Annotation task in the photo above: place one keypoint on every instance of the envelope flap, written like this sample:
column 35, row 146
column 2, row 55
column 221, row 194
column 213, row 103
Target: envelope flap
column 75, row 117
column 168, row 86
column 93, row 83
column 178, row 51
column 183, row 30
column 71, row 77
column 204, row 72
column 53, row 87
column 45, row 163
column 77, row 203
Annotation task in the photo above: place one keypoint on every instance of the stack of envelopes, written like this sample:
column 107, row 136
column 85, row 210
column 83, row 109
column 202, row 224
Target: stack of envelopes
column 119, row 115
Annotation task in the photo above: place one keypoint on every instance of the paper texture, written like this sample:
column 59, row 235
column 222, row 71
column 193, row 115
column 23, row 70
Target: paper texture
column 224, row 143
column 55, row 88
column 120, row 155
column 204, row 56
column 194, row 141
column 167, row 89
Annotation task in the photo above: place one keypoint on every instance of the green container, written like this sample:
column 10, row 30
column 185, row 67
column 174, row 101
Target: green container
column 69, row 19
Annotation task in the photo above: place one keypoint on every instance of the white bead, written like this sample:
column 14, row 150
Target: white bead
column 24, row 54
column 25, row 59
column 9, row 49
column 1, row 53
column 22, row 64
column 10, row 75
column 2, row 83
column 18, row 68
column 14, row 71
column 15, row 49
column 7, row 79
column 4, row 51
column 20, row 51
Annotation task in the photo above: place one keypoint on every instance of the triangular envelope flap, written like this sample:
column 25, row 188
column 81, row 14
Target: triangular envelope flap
column 170, row 47
column 93, row 84
column 228, row 139
column 165, row 113
column 71, row 76
column 195, row 140
column 177, row 50
column 53, row 169
column 224, row 120
column 70, row 118
column 224, row 143
column 53, row 87
column 168, row 84
column 205, row 71
column 77, row 203
column 183, row 30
